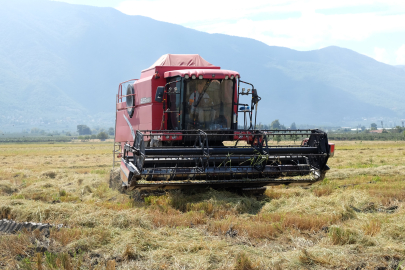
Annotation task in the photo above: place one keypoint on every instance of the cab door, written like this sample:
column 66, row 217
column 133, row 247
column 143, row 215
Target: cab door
column 174, row 113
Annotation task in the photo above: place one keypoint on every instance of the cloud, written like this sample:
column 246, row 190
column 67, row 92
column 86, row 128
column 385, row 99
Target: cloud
column 380, row 54
column 269, row 21
column 401, row 55
column 310, row 29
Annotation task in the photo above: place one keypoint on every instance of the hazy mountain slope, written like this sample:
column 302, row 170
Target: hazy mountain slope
column 62, row 63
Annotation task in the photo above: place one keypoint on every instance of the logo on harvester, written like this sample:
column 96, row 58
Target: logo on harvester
column 146, row 100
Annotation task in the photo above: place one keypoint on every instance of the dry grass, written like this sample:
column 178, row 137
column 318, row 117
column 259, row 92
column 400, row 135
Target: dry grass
column 243, row 262
column 341, row 236
column 323, row 191
column 14, row 247
column 343, row 222
column 309, row 259
column 372, row 227
column 65, row 235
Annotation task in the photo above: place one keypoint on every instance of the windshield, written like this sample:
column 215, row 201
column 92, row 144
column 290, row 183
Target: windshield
column 208, row 104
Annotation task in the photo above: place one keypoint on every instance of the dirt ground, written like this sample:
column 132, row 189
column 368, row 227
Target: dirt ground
column 354, row 219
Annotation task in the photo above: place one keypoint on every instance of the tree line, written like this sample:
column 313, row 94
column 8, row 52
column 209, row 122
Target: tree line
column 362, row 133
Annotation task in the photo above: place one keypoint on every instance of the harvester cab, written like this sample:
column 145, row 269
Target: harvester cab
column 186, row 122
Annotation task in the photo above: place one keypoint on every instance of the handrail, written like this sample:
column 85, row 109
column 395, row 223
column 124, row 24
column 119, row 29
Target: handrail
column 120, row 96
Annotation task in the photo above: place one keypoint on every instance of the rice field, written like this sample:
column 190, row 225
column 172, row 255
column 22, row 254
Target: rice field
column 354, row 219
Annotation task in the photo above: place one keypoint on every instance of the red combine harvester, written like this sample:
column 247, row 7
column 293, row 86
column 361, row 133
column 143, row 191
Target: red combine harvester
column 179, row 125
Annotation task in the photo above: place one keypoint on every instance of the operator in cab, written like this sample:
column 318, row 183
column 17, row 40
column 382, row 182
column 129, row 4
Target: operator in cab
column 199, row 96
column 201, row 105
column 209, row 104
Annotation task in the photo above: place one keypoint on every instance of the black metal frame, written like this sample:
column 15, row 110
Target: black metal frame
column 253, row 106
column 201, row 164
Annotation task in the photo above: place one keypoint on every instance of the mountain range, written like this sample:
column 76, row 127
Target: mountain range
column 60, row 66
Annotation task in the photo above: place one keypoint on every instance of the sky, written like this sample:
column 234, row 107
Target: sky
column 372, row 28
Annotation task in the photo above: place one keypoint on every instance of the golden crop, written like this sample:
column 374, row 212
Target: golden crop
column 354, row 218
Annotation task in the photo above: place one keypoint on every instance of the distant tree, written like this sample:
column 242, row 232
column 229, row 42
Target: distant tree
column 294, row 137
column 293, row 126
column 277, row 138
column 97, row 130
column 68, row 134
column 83, row 130
column 102, row 136
column 363, row 128
column 111, row 131
column 94, row 136
column 275, row 124
column 35, row 130
column 398, row 129
column 260, row 126
column 373, row 126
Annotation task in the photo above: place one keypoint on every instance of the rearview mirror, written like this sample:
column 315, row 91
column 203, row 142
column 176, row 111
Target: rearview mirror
column 159, row 93
column 255, row 96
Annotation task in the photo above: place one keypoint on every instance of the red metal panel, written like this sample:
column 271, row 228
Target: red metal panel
column 331, row 149
column 141, row 120
column 147, row 113
column 121, row 106
column 157, row 111
column 143, row 92
column 124, row 173
column 172, row 136
column 242, row 136
column 122, row 130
